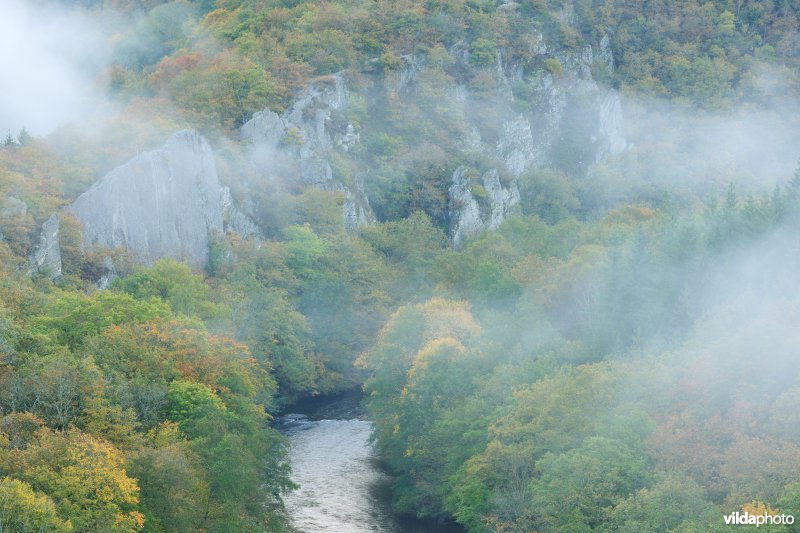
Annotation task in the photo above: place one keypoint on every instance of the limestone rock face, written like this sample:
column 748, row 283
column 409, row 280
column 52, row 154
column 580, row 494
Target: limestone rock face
column 46, row 256
column 406, row 76
column 164, row 203
column 465, row 214
column 266, row 128
column 513, row 113
column 234, row 220
column 516, row 147
column 557, row 98
column 501, row 199
column 605, row 54
column 548, row 96
column 303, row 140
column 611, row 126
column 349, row 139
column 109, row 275
column 309, row 119
column 467, row 217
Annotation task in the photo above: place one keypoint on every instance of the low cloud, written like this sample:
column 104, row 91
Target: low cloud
column 50, row 59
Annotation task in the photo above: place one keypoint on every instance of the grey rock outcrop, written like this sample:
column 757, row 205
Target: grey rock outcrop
column 234, row 220
column 357, row 211
column 460, row 53
column 46, row 255
column 349, row 139
column 310, row 116
column 528, row 139
column 528, row 134
column 605, row 53
column 161, row 203
column 611, row 126
column 516, row 147
column 466, row 215
column 501, row 199
column 303, row 138
column 109, row 275
column 164, row 203
column 301, row 134
column 407, row 74
column 266, row 128
column 516, row 112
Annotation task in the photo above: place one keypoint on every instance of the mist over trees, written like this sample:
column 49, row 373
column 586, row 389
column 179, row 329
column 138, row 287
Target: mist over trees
column 616, row 351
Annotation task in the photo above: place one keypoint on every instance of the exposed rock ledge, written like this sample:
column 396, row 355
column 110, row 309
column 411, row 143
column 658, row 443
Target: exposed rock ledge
column 46, row 256
column 304, row 138
column 163, row 203
column 467, row 217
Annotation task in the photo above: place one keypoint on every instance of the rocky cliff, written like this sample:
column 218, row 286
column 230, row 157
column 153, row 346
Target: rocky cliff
column 163, row 203
column 537, row 125
column 303, row 139
column 543, row 108
column 46, row 255
column 471, row 216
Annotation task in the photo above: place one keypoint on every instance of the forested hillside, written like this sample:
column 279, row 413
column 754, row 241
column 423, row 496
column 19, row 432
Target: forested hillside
column 555, row 242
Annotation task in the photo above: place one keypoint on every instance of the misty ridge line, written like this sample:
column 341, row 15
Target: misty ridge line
column 752, row 148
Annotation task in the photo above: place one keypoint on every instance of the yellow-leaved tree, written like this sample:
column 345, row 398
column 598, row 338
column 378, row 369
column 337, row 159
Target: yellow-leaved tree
column 422, row 369
column 24, row 509
column 84, row 476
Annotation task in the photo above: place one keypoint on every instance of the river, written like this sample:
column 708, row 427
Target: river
column 343, row 487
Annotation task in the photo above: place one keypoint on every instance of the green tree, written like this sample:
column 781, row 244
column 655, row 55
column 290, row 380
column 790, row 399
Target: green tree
column 173, row 282
column 574, row 487
column 73, row 317
column 174, row 486
column 673, row 503
column 24, row 138
column 190, row 402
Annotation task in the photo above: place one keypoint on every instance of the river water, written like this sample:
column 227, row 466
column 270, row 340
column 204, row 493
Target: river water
column 343, row 488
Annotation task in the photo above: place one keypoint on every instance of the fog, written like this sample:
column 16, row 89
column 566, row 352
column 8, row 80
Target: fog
column 678, row 146
column 51, row 58
column 629, row 301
